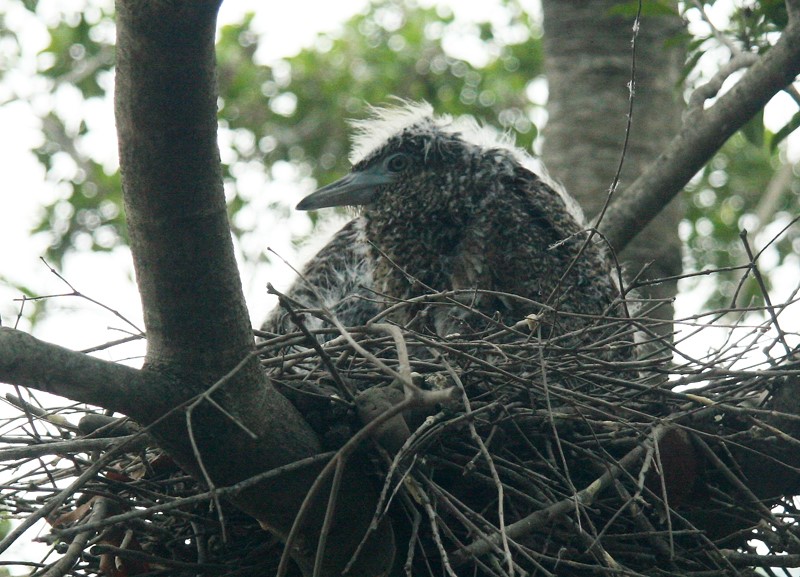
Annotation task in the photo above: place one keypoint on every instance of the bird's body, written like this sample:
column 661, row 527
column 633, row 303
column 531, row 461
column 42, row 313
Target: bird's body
column 446, row 210
column 339, row 279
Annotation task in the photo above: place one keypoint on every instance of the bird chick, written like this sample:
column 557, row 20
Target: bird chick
column 447, row 206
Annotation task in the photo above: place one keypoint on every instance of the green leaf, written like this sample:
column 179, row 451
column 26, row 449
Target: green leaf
column 786, row 130
column 754, row 129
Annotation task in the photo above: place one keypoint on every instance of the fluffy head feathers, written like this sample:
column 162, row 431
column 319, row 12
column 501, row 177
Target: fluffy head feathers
column 416, row 119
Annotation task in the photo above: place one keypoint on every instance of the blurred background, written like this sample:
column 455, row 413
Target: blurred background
column 289, row 78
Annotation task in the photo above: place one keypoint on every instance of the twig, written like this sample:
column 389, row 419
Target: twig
column 194, row 404
column 501, row 517
column 764, row 293
column 133, row 443
column 47, row 416
column 76, row 293
column 718, row 34
column 539, row 518
column 76, row 548
column 330, row 511
column 737, row 483
column 57, row 500
column 311, row 339
column 199, row 497
column 425, row 398
column 711, row 88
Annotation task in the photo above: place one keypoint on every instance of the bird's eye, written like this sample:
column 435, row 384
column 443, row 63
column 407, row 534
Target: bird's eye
column 398, row 162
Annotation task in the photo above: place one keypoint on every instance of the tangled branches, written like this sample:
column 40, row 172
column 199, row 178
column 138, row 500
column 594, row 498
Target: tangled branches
column 557, row 460
column 499, row 453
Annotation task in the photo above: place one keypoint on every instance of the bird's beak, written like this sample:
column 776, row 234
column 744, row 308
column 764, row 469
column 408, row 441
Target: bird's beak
column 355, row 189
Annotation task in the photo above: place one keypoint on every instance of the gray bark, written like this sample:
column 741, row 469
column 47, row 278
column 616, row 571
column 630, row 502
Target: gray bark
column 197, row 323
column 588, row 66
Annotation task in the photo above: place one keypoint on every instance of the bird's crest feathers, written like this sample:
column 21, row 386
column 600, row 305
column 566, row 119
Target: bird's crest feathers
column 373, row 132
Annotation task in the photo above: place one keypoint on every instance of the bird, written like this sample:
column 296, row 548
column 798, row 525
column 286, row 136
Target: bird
column 449, row 205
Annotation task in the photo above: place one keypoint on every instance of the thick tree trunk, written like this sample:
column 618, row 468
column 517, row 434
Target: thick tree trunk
column 197, row 324
column 588, row 66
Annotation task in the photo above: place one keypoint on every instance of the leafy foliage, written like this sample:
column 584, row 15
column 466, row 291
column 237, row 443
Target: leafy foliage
column 76, row 68
column 272, row 115
column 746, row 192
column 744, row 188
column 283, row 121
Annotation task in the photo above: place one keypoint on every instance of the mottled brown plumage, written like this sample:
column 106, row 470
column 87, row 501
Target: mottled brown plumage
column 445, row 209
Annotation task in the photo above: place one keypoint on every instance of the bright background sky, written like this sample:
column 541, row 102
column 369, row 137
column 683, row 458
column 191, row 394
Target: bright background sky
column 107, row 277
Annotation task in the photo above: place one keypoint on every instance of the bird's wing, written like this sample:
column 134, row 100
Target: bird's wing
column 338, row 279
column 522, row 244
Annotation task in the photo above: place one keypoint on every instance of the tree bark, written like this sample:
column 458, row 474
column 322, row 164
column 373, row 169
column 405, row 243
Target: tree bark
column 704, row 132
column 196, row 319
column 588, row 67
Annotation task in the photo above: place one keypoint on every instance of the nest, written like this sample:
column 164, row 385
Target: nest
column 516, row 454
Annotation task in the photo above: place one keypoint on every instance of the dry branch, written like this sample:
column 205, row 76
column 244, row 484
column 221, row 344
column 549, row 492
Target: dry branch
column 552, row 426
column 703, row 134
column 633, row 487
column 29, row 362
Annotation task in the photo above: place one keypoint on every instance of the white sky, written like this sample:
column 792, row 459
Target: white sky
column 107, row 277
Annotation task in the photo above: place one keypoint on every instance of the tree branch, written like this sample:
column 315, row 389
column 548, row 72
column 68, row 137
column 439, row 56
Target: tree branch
column 703, row 133
column 165, row 104
column 585, row 497
column 26, row 361
column 197, row 323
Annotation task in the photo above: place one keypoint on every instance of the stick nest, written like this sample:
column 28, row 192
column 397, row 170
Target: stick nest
column 519, row 454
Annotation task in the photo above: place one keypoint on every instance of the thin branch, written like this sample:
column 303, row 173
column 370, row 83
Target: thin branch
column 764, row 292
column 197, row 498
column 539, row 518
column 34, row 411
column 721, row 37
column 132, row 443
column 297, row 319
column 711, row 88
column 57, row 500
column 133, row 555
column 612, row 189
column 484, row 451
column 423, row 399
column 752, row 560
column 745, row 491
column 76, row 293
column 64, row 565
column 703, row 133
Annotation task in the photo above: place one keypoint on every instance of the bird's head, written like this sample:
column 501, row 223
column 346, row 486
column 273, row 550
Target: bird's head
column 407, row 162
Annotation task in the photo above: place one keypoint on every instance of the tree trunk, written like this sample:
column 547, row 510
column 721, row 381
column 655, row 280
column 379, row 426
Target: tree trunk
column 588, row 66
column 198, row 328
